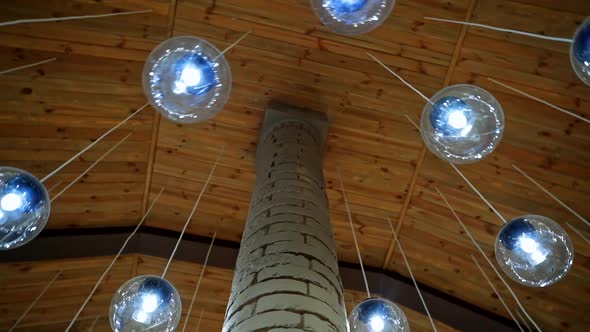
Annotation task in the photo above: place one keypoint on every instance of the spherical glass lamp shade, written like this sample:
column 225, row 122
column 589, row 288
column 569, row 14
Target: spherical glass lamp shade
column 534, row 251
column 378, row 315
column 352, row 17
column 187, row 79
column 24, row 207
column 580, row 52
column 145, row 303
column 462, row 124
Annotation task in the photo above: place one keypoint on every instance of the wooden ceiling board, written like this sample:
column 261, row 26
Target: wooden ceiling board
column 548, row 145
column 62, row 300
column 50, row 112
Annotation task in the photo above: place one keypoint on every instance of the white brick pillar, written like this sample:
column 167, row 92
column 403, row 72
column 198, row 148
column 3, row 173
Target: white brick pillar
column 286, row 275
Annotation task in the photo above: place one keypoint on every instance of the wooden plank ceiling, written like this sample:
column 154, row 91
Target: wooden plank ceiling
column 24, row 281
column 50, row 112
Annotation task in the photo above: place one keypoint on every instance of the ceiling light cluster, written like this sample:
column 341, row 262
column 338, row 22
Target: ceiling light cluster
column 188, row 80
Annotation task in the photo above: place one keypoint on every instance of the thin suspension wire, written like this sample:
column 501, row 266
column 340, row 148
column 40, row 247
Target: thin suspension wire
column 199, row 321
column 68, row 18
column 578, row 232
column 26, row 66
column 400, row 78
column 90, row 168
column 104, row 274
column 30, row 307
column 478, row 193
column 232, row 45
column 93, row 143
column 193, row 211
column 523, row 320
column 496, row 292
column 550, row 194
column 540, row 100
column 91, row 327
column 54, row 186
column 487, row 259
column 491, row 27
column 401, row 250
column 356, row 244
column 190, row 308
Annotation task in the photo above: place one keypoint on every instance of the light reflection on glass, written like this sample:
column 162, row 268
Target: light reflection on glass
column 352, row 17
column 580, row 52
column 462, row 124
column 187, row 79
column 24, row 207
column 378, row 315
column 534, row 251
column 145, row 303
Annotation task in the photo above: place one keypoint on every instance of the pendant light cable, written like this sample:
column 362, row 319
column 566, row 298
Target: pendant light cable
column 30, row 307
column 190, row 308
column 356, row 244
column 550, row 194
column 487, row 259
column 104, row 274
column 497, row 293
column 68, row 18
column 518, row 32
column 26, row 66
column 401, row 250
column 193, row 211
column 90, row 168
column 93, row 144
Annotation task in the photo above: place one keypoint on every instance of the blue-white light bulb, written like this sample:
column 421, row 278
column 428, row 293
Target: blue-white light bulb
column 347, row 6
column 378, row 315
column 462, row 124
column 352, row 17
column 24, row 207
column 580, row 52
column 145, row 303
column 187, row 79
column 534, row 251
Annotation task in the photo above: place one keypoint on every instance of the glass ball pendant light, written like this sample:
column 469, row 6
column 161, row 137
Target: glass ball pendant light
column 187, row 79
column 352, row 17
column 378, row 315
column 580, row 52
column 24, row 207
column 534, row 251
column 145, row 303
column 462, row 124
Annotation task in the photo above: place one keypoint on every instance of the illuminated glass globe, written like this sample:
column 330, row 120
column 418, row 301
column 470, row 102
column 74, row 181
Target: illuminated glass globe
column 534, row 251
column 24, row 207
column 352, row 17
column 145, row 303
column 462, row 124
column 378, row 315
column 580, row 52
column 187, row 79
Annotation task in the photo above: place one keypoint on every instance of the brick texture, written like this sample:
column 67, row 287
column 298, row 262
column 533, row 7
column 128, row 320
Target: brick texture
column 287, row 272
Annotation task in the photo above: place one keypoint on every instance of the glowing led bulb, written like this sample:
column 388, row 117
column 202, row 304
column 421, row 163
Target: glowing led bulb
column 187, row 79
column 377, row 324
column 24, row 207
column 534, row 250
column 352, row 17
column 11, row 202
column 145, row 303
column 458, row 120
column 462, row 124
column 378, row 315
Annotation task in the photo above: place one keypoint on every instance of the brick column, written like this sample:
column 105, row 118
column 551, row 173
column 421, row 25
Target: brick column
column 286, row 275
